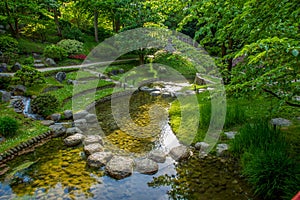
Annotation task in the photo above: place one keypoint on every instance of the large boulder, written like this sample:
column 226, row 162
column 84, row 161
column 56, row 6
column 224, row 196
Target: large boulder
column 179, row 153
column 5, row 96
column 68, row 114
column 19, row 90
column 221, row 148
column 17, row 66
column 92, row 139
column 60, row 76
column 93, row 148
column 120, row 167
column 58, row 130
column 146, row 166
column 80, row 114
column 73, row 131
column 3, row 68
column 50, row 62
column 157, row 156
column 99, row 159
column 55, row 117
column 74, row 140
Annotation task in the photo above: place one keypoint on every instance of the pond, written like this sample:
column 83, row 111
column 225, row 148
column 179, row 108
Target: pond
column 54, row 171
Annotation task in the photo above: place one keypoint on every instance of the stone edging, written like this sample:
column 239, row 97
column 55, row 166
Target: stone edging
column 25, row 147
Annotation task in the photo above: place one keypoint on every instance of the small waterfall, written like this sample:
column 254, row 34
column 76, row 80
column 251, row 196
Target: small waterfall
column 27, row 110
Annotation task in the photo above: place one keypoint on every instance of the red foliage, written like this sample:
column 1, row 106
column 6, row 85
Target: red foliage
column 79, row 56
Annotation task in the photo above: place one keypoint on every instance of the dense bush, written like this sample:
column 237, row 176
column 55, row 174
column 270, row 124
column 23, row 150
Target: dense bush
column 8, row 47
column 5, row 82
column 28, row 61
column 55, row 52
column 44, row 104
column 73, row 33
column 8, row 126
column 28, row 76
column 71, row 46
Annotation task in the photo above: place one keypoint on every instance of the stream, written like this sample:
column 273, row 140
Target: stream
column 58, row 172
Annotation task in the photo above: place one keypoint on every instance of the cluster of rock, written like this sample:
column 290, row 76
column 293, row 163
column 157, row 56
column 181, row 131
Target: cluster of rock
column 117, row 166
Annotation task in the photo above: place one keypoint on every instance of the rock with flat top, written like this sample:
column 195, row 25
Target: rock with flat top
column 74, row 140
column 93, row 148
column 120, row 167
column 146, row 166
column 157, row 156
column 180, row 153
column 280, row 122
column 99, row 159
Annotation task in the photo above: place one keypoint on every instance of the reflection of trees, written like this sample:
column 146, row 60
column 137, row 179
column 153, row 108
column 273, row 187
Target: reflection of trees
column 60, row 171
column 208, row 178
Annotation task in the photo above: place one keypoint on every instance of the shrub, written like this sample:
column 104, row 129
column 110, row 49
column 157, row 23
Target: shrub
column 8, row 126
column 72, row 33
column 71, row 46
column 55, row 52
column 79, row 57
column 28, row 61
column 28, row 76
column 8, row 47
column 273, row 173
column 44, row 104
column 5, row 82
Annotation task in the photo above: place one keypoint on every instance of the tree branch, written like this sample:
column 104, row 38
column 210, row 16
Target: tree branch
column 278, row 97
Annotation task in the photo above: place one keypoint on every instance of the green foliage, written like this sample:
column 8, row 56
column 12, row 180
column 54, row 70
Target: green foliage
column 5, row 82
column 273, row 173
column 8, row 47
column 44, row 104
column 266, row 163
column 8, row 126
column 73, row 33
column 28, row 61
column 71, row 46
column 177, row 62
column 28, row 76
column 55, row 52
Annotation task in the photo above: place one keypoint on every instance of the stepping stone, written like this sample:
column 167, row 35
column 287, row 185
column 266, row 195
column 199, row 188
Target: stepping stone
column 157, row 156
column 180, row 153
column 73, row 130
column 230, row 134
column 40, row 65
column 120, row 167
column 68, row 114
column 58, row 130
column 81, row 124
column 80, row 114
column 93, row 148
column 74, row 140
column 280, row 122
column 99, row 159
column 146, row 166
column 93, row 139
column 47, row 122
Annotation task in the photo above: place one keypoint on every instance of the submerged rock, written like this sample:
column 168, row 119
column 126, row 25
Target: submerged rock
column 157, row 156
column 74, row 140
column 120, row 167
column 179, row 153
column 99, row 159
column 93, row 148
column 146, row 166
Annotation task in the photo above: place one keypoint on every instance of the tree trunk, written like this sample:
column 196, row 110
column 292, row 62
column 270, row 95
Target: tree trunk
column 117, row 25
column 96, row 15
column 17, row 31
column 57, row 22
column 223, row 48
column 142, row 58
